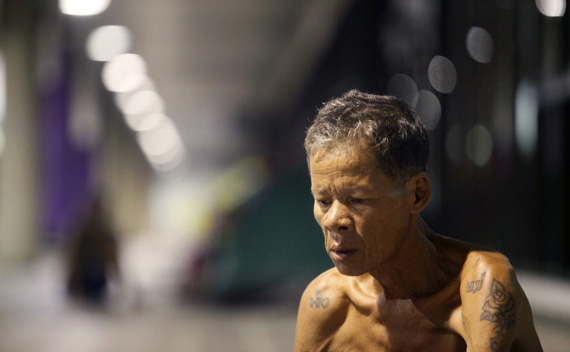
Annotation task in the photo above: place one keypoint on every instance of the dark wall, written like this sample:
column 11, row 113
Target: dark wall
column 515, row 202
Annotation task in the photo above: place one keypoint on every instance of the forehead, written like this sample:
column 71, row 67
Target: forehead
column 341, row 163
column 343, row 157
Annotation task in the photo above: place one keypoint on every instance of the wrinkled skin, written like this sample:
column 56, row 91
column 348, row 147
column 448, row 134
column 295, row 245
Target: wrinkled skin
column 396, row 285
column 362, row 214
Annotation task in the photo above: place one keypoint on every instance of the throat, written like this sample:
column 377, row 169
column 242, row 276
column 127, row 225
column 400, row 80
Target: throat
column 420, row 271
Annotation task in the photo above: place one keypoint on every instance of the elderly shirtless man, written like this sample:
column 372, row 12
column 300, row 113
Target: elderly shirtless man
column 396, row 285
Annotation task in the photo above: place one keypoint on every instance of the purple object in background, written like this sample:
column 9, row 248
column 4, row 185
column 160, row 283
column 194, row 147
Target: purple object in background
column 64, row 169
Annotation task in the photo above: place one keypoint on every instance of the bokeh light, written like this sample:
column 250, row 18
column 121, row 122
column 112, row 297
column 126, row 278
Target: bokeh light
column 429, row 109
column 442, row 74
column 526, row 119
column 403, row 86
column 162, row 145
column 144, row 102
column 124, row 73
column 551, row 8
column 144, row 122
column 83, row 7
column 158, row 141
column 454, row 145
column 479, row 45
column 170, row 161
column 144, row 83
column 106, row 42
column 479, row 145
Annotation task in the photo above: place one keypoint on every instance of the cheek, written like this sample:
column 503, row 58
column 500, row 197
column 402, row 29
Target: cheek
column 390, row 213
column 373, row 221
column 376, row 228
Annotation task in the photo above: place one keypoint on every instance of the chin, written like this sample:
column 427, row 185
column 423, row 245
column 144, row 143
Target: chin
column 349, row 270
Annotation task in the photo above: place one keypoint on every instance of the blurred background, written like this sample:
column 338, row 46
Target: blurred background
column 153, row 186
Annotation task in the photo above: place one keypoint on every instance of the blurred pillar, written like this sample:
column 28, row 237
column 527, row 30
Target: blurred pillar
column 125, row 175
column 18, row 163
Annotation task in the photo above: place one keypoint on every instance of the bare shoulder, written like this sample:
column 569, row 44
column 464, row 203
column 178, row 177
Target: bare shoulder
column 481, row 264
column 322, row 311
column 496, row 313
column 476, row 263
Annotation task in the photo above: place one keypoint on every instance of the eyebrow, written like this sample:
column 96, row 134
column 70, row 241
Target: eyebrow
column 350, row 190
column 353, row 190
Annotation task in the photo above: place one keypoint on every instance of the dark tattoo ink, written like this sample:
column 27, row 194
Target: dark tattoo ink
column 475, row 285
column 499, row 308
column 319, row 302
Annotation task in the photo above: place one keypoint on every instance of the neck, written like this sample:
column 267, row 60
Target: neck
column 416, row 269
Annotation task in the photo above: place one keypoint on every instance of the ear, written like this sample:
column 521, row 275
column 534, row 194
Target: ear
column 420, row 188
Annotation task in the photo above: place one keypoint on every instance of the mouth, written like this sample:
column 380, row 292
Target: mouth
column 342, row 254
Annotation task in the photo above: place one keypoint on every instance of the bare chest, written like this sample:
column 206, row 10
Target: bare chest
column 398, row 326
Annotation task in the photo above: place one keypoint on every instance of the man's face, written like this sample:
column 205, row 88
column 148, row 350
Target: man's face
column 363, row 214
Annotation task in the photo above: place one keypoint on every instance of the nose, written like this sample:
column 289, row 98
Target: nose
column 338, row 218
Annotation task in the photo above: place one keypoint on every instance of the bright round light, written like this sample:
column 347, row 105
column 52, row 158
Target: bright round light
column 162, row 145
column 106, row 42
column 173, row 162
column 144, row 122
column 121, row 98
column 551, row 8
column 403, row 86
column 171, row 154
column 429, row 109
column 442, row 74
column 144, row 102
column 157, row 143
column 159, row 140
column 526, row 119
column 124, row 73
column 83, row 7
column 479, row 44
column 479, row 145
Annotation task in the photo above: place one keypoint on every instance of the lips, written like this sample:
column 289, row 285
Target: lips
column 341, row 253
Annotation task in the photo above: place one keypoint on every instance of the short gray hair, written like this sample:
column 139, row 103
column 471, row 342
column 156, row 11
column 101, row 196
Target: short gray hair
column 395, row 133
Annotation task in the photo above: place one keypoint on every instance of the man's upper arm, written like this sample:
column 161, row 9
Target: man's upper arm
column 495, row 310
column 321, row 312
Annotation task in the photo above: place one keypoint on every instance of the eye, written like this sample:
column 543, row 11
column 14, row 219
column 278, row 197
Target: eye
column 357, row 200
column 323, row 202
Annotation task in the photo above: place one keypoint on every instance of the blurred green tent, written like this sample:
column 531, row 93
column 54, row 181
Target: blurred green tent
column 270, row 240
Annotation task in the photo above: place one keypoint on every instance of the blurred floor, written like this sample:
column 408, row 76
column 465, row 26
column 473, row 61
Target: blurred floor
column 187, row 329
column 36, row 317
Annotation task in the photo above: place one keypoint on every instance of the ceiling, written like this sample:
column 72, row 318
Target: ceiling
column 213, row 60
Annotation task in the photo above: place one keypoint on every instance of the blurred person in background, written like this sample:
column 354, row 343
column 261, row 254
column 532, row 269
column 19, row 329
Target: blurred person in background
column 396, row 284
column 93, row 259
